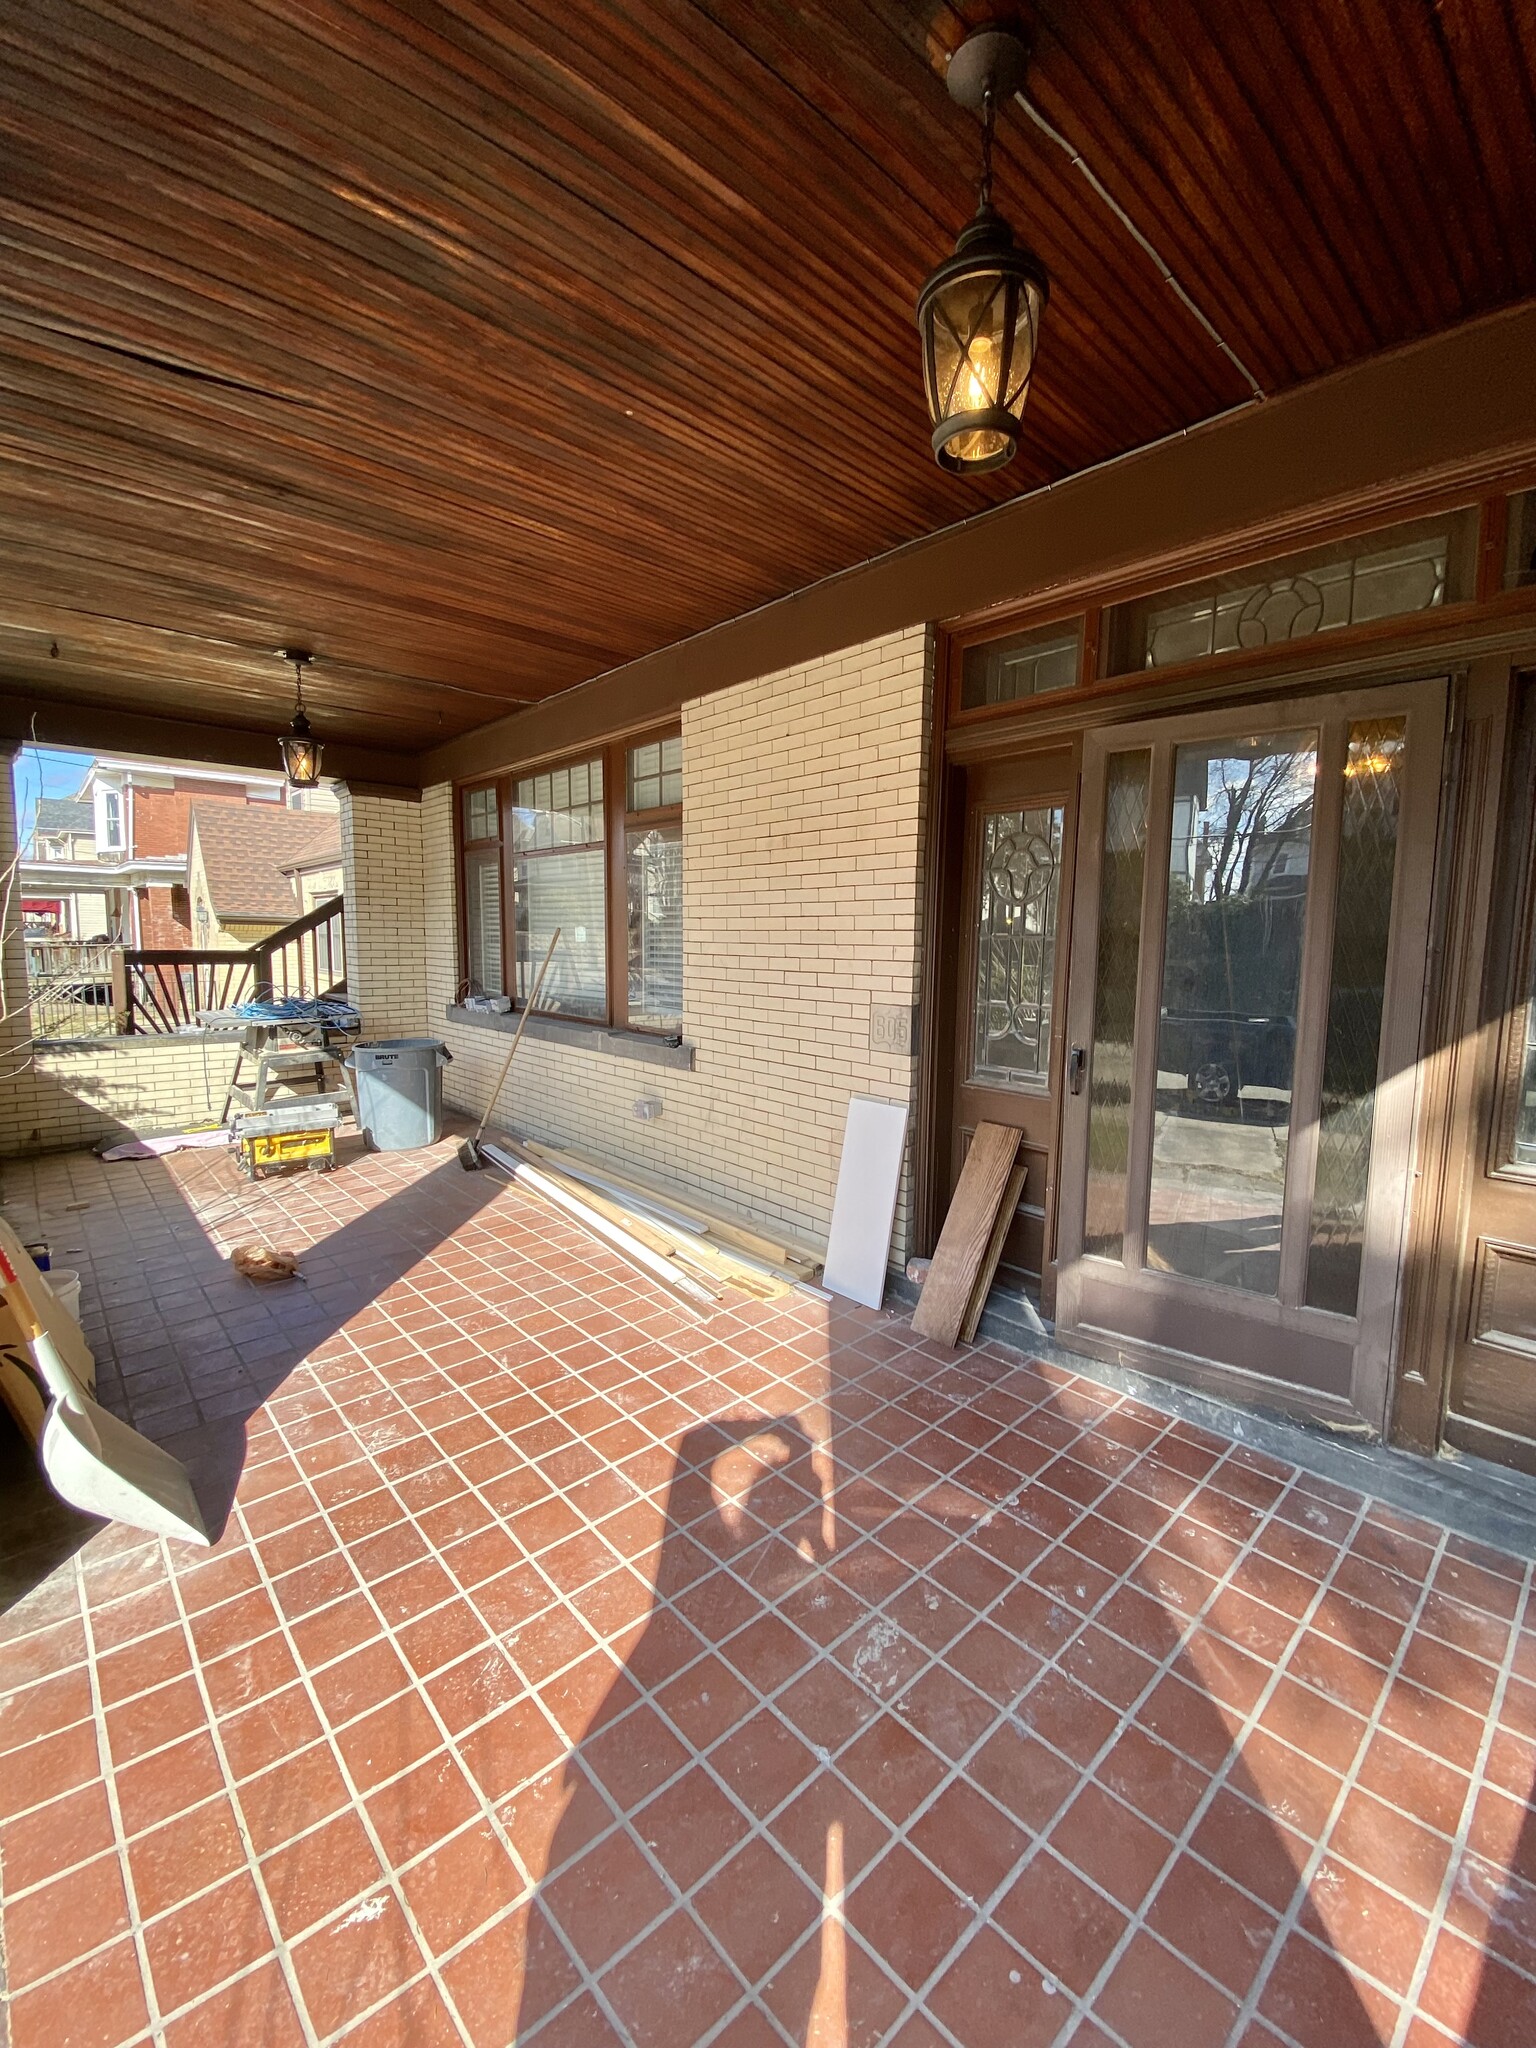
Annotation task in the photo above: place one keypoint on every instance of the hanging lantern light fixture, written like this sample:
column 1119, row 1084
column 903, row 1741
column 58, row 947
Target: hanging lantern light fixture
column 979, row 313
column 300, row 749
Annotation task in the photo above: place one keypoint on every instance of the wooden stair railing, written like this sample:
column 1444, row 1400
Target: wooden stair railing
column 158, row 990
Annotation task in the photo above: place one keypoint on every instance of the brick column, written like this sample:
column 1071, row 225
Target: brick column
column 381, row 859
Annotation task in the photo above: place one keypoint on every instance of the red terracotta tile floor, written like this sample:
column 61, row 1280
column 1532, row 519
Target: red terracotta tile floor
column 571, row 1671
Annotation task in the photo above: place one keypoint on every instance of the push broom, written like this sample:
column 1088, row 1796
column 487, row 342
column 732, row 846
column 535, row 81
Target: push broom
column 470, row 1156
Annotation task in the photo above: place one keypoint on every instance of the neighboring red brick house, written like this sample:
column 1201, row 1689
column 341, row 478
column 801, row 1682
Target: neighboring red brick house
column 143, row 811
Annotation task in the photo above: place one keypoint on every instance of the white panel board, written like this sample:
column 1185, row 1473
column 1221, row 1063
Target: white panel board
column 864, row 1208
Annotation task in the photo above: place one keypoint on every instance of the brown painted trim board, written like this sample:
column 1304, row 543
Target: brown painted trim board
column 1455, row 411
column 50, row 723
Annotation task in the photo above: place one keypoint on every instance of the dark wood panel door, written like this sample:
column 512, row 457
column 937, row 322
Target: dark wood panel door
column 1491, row 1407
column 1021, row 821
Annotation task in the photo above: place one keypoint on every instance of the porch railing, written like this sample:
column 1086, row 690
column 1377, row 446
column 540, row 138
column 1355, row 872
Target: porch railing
column 309, row 956
column 69, row 987
column 157, row 990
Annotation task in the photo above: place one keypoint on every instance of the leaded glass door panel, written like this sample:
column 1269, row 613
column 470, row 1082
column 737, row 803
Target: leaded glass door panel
column 1020, row 820
column 1247, row 965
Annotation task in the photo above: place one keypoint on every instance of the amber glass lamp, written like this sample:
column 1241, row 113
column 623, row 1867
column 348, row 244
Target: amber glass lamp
column 979, row 312
column 300, row 749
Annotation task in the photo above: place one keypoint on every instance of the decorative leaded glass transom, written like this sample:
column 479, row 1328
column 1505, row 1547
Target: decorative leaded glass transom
column 1379, row 576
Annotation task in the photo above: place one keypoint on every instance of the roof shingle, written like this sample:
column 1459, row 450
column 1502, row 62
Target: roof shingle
column 66, row 814
column 246, row 849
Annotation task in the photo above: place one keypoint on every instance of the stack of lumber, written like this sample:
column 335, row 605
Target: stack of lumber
column 959, row 1279
column 696, row 1254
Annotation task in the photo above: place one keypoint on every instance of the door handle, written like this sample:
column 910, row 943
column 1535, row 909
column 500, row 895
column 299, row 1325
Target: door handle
column 1077, row 1066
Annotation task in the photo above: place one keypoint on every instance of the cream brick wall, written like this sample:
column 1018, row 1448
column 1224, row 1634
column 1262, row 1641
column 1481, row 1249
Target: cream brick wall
column 382, row 879
column 87, row 1090
column 804, row 803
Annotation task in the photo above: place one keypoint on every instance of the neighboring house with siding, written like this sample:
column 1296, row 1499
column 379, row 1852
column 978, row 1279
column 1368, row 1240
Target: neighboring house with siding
column 251, row 870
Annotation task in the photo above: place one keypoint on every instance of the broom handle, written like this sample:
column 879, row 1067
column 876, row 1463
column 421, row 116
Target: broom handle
column 517, row 1038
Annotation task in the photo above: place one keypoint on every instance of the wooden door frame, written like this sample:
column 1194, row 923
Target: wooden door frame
column 1004, row 784
column 942, row 876
column 1462, row 1034
column 1473, row 775
column 1274, row 1324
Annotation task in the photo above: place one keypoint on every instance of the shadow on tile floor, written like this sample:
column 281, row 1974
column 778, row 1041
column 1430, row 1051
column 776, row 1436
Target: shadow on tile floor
column 572, row 1671
column 186, row 1348
column 895, row 1781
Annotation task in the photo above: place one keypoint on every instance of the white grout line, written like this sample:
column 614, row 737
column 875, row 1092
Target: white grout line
column 1080, row 1518
column 109, row 1785
column 951, row 1771
column 815, row 1652
column 1290, row 1919
column 390, row 1877
column 1475, row 1787
column 253, row 1862
column 1161, row 1669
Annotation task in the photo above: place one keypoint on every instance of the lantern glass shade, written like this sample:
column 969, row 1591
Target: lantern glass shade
column 301, row 754
column 979, row 318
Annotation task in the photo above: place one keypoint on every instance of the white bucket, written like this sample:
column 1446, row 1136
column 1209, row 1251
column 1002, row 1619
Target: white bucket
column 65, row 1284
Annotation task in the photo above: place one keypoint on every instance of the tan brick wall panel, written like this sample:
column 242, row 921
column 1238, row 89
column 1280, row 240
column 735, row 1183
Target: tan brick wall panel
column 804, row 804
column 386, row 941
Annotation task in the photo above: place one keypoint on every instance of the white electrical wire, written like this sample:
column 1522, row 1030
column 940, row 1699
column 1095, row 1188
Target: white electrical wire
column 1079, row 163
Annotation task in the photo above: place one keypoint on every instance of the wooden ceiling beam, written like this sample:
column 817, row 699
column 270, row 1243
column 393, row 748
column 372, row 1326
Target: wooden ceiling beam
column 25, row 721
column 1455, row 412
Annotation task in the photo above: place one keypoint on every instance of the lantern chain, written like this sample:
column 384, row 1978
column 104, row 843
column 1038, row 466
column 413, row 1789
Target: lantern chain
column 984, row 194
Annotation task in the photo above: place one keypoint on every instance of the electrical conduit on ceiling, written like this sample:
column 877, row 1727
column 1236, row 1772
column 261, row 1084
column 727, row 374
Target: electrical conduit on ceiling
column 1079, row 163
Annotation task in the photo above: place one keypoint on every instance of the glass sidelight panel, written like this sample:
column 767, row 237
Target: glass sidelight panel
column 1121, row 876
column 1373, row 773
column 1239, row 856
column 1016, row 946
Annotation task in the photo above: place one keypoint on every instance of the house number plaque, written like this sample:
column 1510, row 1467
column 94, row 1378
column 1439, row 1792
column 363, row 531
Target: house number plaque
column 893, row 1028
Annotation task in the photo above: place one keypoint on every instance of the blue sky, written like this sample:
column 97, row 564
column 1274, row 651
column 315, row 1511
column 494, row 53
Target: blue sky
column 45, row 771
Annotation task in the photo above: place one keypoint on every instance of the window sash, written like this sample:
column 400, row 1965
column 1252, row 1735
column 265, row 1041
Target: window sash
column 654, row 934
column 564, row 845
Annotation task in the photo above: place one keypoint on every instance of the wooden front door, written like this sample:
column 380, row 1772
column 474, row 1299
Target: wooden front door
column 1249, row 953
column 1491, row 1408
column 1020, row 826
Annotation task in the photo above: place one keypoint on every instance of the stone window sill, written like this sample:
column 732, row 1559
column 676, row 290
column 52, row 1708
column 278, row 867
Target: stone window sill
column 619, row 1045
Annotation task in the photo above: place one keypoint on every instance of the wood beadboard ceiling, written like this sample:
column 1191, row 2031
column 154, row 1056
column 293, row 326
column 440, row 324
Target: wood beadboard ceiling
column 483, row 345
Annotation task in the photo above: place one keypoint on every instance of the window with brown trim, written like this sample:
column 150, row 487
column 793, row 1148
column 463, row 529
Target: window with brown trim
column 1024, row 665
column 593, row 846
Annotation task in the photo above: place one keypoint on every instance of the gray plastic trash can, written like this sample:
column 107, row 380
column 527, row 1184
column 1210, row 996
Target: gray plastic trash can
column 400, row 1091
